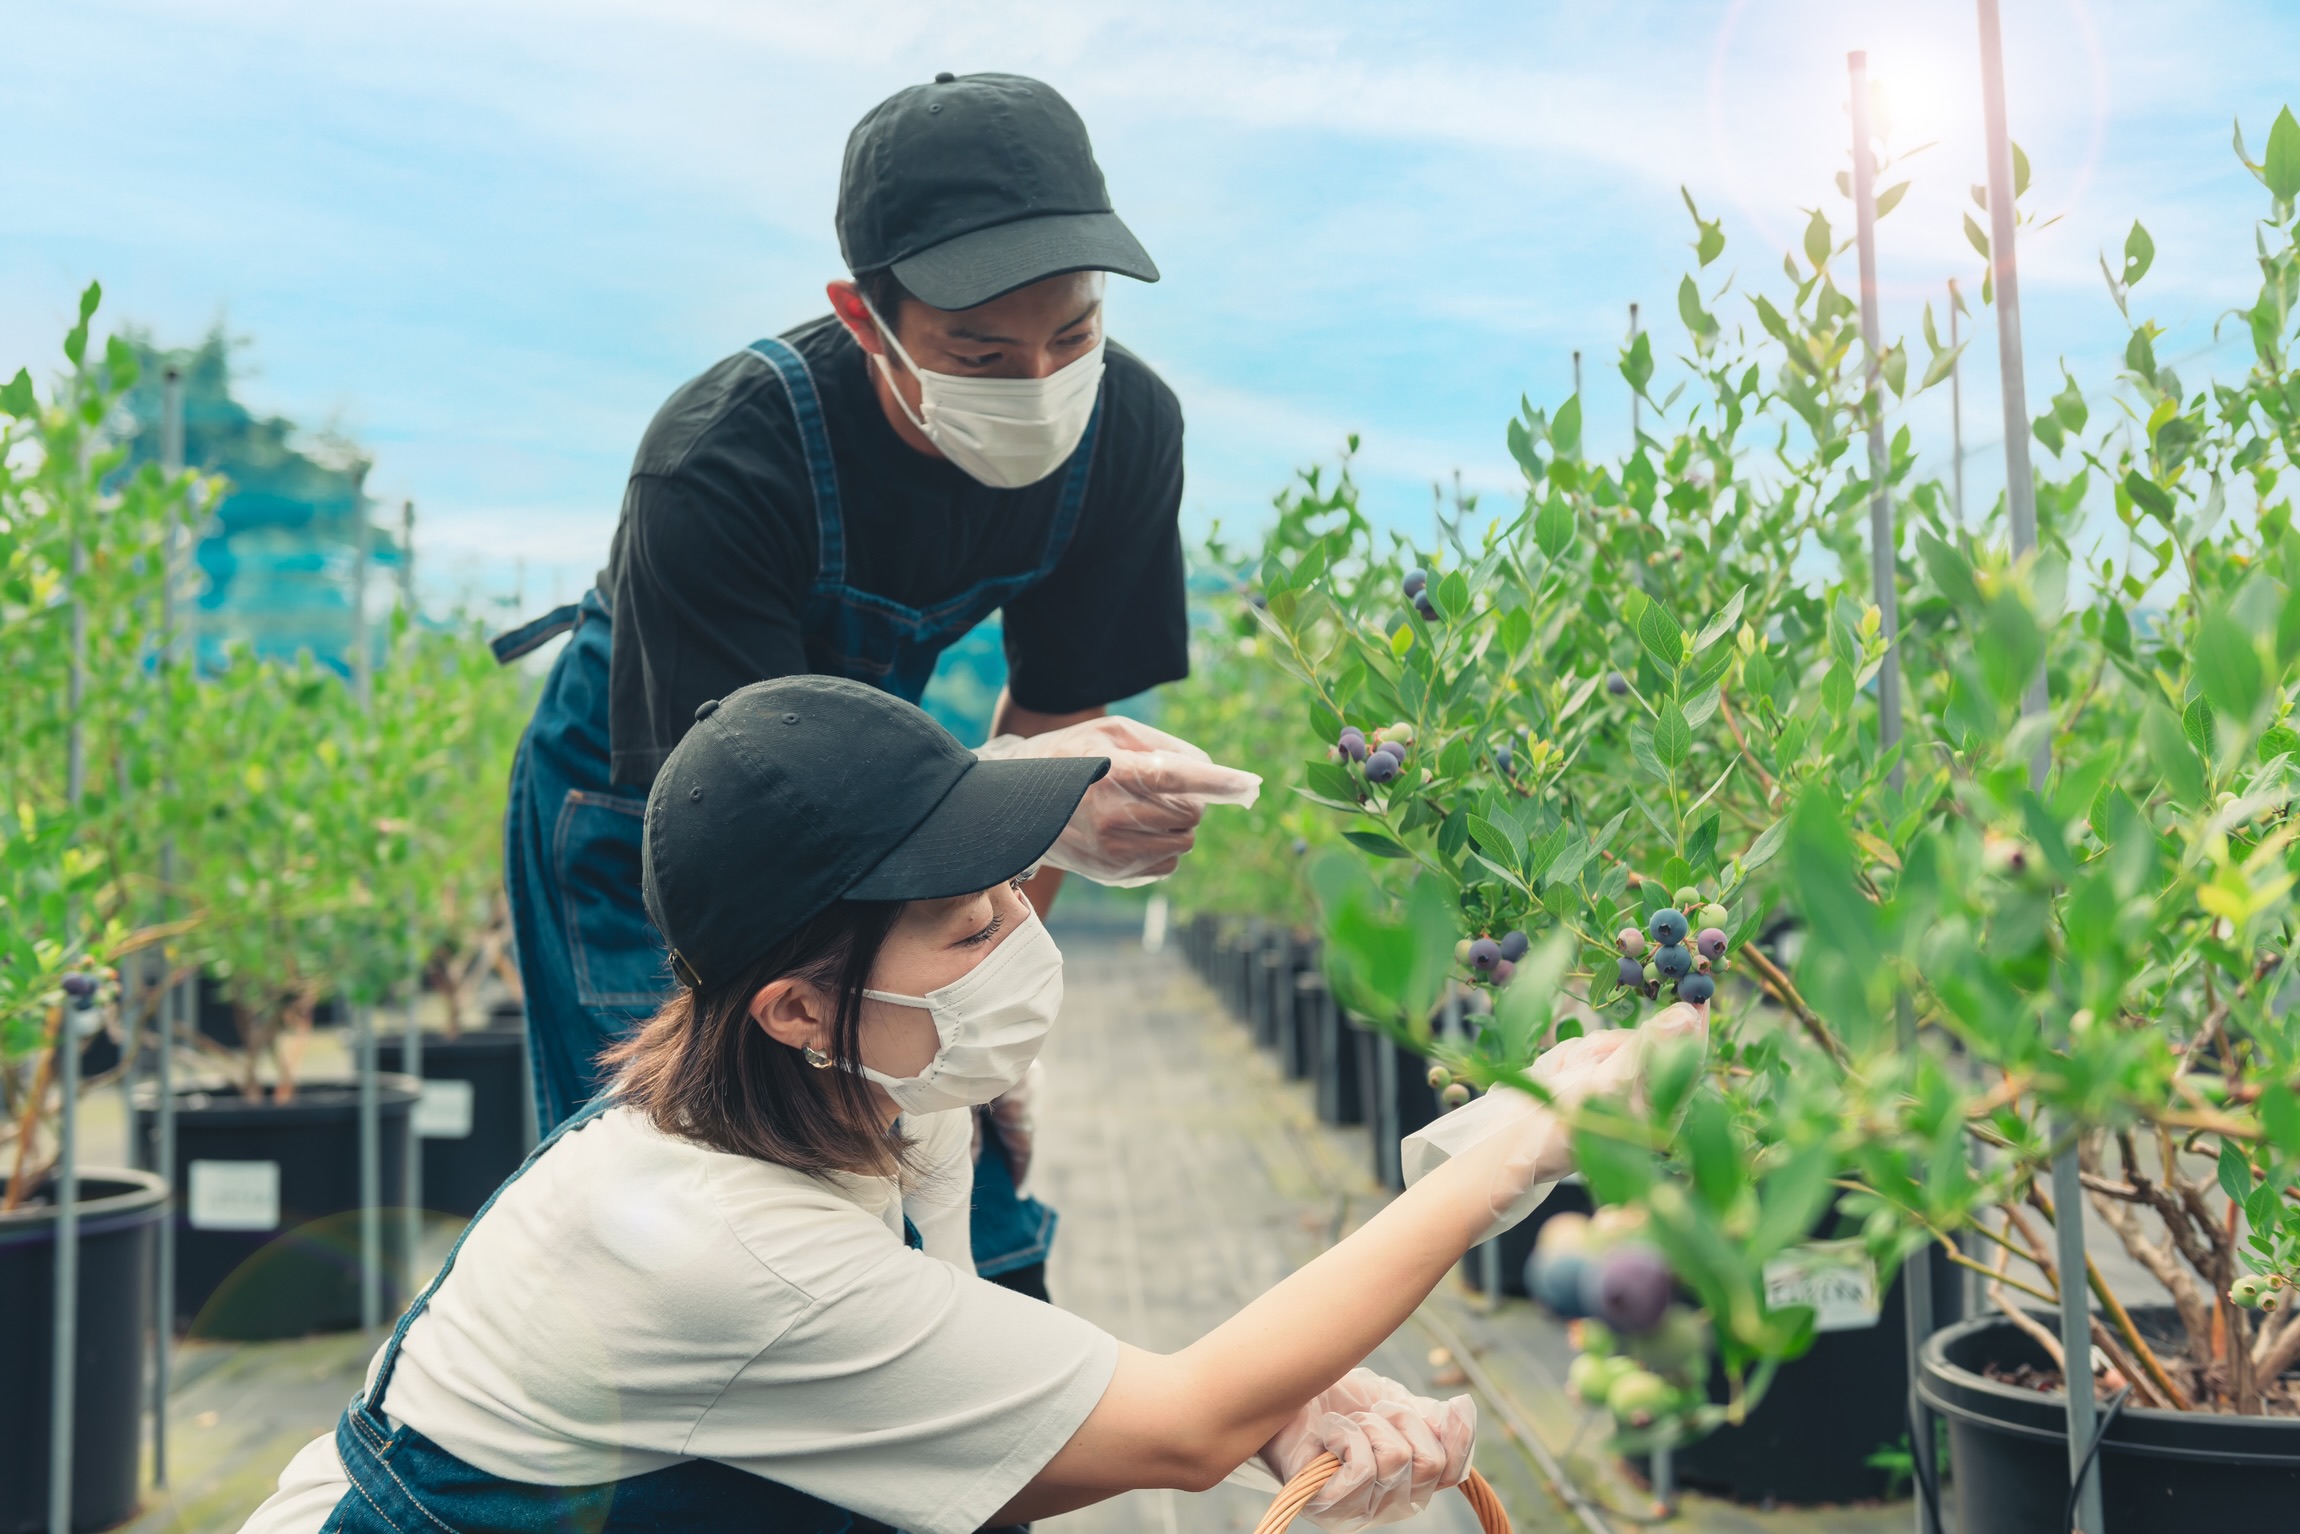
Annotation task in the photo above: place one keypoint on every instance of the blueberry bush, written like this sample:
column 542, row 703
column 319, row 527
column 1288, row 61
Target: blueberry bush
column 1633, row 731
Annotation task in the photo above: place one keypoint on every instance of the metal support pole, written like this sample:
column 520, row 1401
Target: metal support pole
column 363, row 1012
column 2020, row 503
column 1636, row 429
column 1956, row 410
column 64, row 1349
column 1577, row 375
column 171, row 1001
column 411, row 1045
column 1884, row 549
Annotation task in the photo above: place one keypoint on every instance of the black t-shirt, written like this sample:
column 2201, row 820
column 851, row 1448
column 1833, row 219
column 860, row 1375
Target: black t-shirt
column 717, row 546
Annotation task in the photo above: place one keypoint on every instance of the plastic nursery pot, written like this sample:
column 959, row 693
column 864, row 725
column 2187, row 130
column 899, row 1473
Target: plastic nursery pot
column 1334, row 1051
column 2161, row 1472
column 473, row 1117
column 1810, row 1439
column 267, row 1201
column 120, row 1214
column 1399, row 1099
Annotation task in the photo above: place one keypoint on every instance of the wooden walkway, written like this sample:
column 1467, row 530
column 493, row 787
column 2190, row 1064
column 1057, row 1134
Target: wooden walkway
column 1190, row 1177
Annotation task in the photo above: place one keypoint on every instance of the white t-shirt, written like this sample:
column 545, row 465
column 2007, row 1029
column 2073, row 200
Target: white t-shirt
column 635, row 1300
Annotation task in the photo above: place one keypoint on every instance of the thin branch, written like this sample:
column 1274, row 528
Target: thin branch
column 1778, row 984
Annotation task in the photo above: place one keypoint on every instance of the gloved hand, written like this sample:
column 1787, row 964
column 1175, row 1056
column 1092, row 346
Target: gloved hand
column 1397, row 1450
column 1134, row 825
column 1593, row 1065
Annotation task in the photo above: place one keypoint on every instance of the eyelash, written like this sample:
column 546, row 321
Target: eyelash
column 987, row 358
column 985, row 935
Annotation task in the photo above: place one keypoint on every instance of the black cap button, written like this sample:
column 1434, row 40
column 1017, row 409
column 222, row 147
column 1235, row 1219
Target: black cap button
column 790, row 719
column 706, row 709
column 944, row 78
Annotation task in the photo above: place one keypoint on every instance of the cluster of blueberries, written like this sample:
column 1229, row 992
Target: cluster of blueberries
column 1417, row 588
column 1641, row 1351
column 2261, row 1291
column 81, row 987
column 1383, row 759
column 1689, row 970
column 1494, row 961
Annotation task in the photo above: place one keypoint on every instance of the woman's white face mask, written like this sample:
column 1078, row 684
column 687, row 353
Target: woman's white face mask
column 989, row 1024
column 1005, row 432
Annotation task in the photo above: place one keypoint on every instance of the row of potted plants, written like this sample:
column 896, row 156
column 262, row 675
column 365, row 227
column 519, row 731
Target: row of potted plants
column 301, row 843
column 1646, row 707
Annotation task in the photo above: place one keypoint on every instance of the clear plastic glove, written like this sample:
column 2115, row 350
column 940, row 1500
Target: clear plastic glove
column 1134, row 825
column 1398, row 1450
column 1593, row 1065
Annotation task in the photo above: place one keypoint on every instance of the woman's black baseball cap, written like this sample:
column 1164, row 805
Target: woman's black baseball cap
column 975, row 185
column 796, row 793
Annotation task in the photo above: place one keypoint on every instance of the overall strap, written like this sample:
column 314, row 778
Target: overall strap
column 815, row 440
column 534, row 634
column 581, row 1116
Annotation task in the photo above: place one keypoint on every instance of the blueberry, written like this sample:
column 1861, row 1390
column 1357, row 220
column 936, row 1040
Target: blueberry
column 1629, row 1289
column 1484, row 954
column 1426, row 608
column 1504, row 972
column 1667, row 926
column 1696, row 989
column 1714, row 915
column 1381, row 767
column 80, row 987
column 1630, row 941
column 1617, row 684
column 1673, row 961
column 1711, row 941
column 1638, row 1397
column 1352, row 745
column 1559, row 1283
column 1514, row 944
column 1503, row 760
column 1454, row 1096
column 1417, row 581
column 1439, row 1078
column 1688, row 897
column 1300, row 846
column 1630, row 973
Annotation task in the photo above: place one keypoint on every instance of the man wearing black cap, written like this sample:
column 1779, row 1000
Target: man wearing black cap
column 956, row 439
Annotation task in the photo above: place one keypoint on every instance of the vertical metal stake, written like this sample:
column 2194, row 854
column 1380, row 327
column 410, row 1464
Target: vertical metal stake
column 1956, row 410
column 172, row 1001
column 2020, row 503
column 1635, row 416
column 411, row 1048
column 370, row 1174
column 64, row 1349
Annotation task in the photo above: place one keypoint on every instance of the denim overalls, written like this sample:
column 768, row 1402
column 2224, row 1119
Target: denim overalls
column 403, row 1483
column 591, row 962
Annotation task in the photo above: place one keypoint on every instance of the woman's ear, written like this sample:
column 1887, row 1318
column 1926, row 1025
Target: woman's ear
column 794, row 1012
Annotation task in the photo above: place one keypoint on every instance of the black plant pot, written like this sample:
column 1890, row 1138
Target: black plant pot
column 1336, row 1053
column 473, row 1117
column 2161, row 1472
column 1810, row 1439
column 267, row 1208
column 120, row 1212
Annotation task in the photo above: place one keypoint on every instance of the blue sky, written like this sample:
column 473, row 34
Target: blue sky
column 488, row 237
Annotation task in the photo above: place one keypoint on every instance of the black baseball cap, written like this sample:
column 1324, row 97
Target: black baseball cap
column 795, row 793
column 975, row 185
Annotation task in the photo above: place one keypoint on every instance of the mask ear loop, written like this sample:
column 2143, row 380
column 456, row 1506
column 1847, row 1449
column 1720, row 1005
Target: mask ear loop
column 915, row 417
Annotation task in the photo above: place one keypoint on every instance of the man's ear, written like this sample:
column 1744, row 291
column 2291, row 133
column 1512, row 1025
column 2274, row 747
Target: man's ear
column 847, row 303
column 794, row 1012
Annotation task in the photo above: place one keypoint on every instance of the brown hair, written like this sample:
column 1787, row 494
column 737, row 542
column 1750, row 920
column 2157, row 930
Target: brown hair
column 703, row 1069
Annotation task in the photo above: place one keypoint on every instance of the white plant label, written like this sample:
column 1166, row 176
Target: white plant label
column 444, row 1111
column 1836, row 1278
column 235, row 1195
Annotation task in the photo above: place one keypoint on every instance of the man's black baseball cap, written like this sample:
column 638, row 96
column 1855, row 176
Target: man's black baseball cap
column 976, row 185
column 799, row 792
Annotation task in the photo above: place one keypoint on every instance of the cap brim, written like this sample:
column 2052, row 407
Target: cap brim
column 976, row 268
column 994, row 823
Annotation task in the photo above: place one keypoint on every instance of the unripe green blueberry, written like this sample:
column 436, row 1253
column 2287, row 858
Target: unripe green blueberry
column 1454, row 1095
column 1714, row 915
column 2246, row 1291
column 1440, row 1078
column 1639, row 1396
column 1687, row 898
column 1590, row 1377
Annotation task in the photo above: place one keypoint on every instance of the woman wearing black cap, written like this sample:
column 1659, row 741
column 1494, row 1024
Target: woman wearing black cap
column 701, row 1305
column 958, row 438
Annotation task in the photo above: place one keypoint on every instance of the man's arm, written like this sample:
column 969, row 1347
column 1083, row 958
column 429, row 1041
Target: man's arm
column 1011, row 718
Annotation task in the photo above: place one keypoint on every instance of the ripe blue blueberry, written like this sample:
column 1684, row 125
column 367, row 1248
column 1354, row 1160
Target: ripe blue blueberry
column 1711, row 942
column 1674, row 961
column 1428, row 611
column 1667, row 926
column 79, row 986
column 1352, row 744
column 1560, row 1281
column 1629, row 1289
column 1630, row 973
column 1696, row 989
column 1503, row 760
column 1617, row 684
column 1417, row 581
column 1381, row 767
column 1484, row 954
column 1514, row 944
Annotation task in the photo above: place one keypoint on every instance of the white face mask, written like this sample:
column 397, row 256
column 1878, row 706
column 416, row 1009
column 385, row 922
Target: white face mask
column 990, row 1024
column 1006, row 432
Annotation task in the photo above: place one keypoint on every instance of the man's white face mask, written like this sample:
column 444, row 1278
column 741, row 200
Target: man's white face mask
column 989, row 1025
column 1005, row 432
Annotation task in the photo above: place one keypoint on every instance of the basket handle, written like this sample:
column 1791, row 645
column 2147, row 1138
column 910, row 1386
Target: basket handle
column 1314, row 1475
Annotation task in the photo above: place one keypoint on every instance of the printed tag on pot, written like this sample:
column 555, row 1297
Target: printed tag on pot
column 235, row 1195
column 444, row 1111
column 1836, row 1278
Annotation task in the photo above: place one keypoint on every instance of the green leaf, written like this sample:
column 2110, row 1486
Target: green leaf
column 2149, row 496
column 2276, row 741
column 1890, row 197
column 2020, row 172
column 1661, row 636
column 1565, row 429
column 1376, row 843
column 1817, row 241
column 2280, row 165
column 1331, row 780
column 1762, row 850
column 1978, row 240
column 17, row 398
column 2228, row 665
column 1453, row 595
column 2279, row 1108
column 1502, row 837
column 1521, row 448
column 1637, row 362
column 1717, row 1158
column 1672, row 737
column 2175, row 759
column 1950, row 570
column 1553, row 526
column 1617, row 1173
column 2235, row 1173
column 1325, row 724
column 2139, row 254
column 2196, row 724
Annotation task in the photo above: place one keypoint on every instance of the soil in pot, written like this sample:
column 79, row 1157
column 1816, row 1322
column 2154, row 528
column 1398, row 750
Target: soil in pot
column 472, row 1119
column 267, row 1198
column 2161, row 1472
column 120, row 1214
